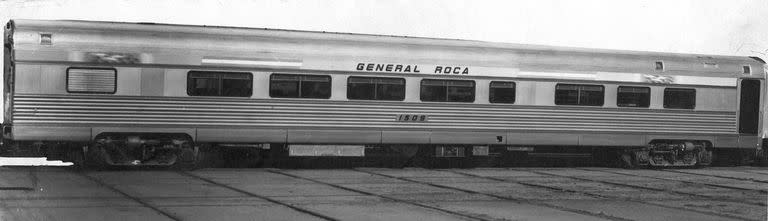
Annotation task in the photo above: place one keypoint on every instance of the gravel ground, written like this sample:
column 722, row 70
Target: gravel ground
column 583, row 193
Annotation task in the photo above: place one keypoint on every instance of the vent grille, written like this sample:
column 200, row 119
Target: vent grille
column 91, row 80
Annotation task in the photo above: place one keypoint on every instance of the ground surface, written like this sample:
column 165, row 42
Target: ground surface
column 55, row 193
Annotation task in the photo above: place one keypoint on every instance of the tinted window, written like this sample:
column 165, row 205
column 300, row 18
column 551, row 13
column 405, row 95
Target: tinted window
column 502, row 92
column 447, row 90
column 299, row 86
column 225, row 84
column 679, row 98
column 365, row 88
column 633, row 96
column 578, row 94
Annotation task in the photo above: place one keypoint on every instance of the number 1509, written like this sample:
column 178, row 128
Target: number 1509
column 412, row 117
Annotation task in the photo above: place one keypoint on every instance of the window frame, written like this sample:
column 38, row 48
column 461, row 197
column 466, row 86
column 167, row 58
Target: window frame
column 648, row 105
column 218, row 75
column 664, row 97
column 490, row 95
column 375, row 88
column 300, row 79
column 474, row 90
column 746, row 69
column 602, row 98
column 66, row 80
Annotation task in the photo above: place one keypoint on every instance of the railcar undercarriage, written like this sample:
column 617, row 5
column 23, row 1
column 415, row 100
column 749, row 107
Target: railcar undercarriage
column 670, row 153
column 179, row 151
column 658, row 154
column 138, row 149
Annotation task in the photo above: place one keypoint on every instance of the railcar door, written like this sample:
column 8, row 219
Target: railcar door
column 749, row 107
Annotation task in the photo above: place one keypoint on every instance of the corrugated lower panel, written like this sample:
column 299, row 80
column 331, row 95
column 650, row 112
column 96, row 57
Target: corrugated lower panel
column 111, row 110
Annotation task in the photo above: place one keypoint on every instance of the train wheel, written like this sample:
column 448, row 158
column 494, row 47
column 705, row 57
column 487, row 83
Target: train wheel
column 76, row 156
column 425, row 158
column 186, row 159
column 203, row 156
column 633, row 158
column 407, row 154
column 704, row 158
column 94, row 158
column 761, row 158
column 628, row 161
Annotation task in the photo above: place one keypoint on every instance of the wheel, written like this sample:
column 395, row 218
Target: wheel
column 186, row 160
column 94, row 158
column 206, row 156
column 761, row 158
column 629, row 160
column 424, row 158
column 75, row 156
column 405, row 155
column 705, row 158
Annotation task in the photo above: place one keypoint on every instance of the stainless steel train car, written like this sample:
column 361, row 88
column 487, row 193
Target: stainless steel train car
column 106, row 93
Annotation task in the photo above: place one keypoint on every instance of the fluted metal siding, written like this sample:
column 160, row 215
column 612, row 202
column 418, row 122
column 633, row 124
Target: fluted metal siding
column 238, row 113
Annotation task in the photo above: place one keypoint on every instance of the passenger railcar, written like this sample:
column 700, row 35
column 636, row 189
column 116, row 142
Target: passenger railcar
column 106, row 93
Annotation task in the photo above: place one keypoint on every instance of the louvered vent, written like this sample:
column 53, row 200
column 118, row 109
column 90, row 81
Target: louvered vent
column 91, row 80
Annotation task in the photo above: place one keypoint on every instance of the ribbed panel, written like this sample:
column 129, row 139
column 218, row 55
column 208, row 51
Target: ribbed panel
column 91, row 80
column 227, row 112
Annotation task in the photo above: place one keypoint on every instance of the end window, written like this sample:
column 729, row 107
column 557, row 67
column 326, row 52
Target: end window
column 633, row 96
column 220, row 84
column 679, row 98
column 502, row 92
column 300, row 86
column 92, row 80
column 579, row 94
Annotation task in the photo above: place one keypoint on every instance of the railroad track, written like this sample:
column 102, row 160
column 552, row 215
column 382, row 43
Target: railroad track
column 738, row 201
column 652, row 188
column 409, row 202
column 460, row 194
column 269, row 199
column 171, row 216
column 126, row 195
column 761, row 191
column 725, row 216
column 496, row 196
column 718, row 176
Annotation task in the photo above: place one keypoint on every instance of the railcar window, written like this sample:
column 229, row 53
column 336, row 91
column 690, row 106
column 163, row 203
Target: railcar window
column 502, row 92
column 633, row 96
column 300, row 86
column 92, row 80
column 447, row 90
column 367, row 88
column 221, row 84
column 679, row 98
column 579, row 94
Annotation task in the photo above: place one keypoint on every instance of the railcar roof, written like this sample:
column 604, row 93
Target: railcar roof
column 299, row 34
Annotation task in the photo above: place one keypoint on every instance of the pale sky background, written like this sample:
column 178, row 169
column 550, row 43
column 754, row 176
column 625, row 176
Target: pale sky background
column 724, row 27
